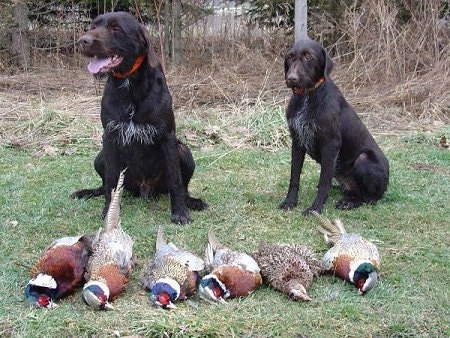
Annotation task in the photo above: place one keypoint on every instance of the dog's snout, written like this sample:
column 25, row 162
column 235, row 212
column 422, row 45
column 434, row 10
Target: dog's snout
column 85, row 40
column 291, row 77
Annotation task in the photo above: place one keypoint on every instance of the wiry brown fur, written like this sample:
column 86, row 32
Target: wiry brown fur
column 137, row 119
column 323, row 125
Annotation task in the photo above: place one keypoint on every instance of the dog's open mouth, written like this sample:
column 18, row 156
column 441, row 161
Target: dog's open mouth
column 104, row 65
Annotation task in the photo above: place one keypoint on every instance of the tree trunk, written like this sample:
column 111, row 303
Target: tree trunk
column 167, row 28
column 177, row 49
column 301, row 19
column 20, row 42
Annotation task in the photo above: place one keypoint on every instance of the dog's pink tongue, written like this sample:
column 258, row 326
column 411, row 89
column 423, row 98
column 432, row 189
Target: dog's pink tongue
column 97, row 64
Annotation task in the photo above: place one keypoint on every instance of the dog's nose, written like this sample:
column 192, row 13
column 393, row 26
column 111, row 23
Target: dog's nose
column 291, row 77
column 85, row 40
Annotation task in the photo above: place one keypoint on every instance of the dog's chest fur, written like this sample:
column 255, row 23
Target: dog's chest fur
column 303, row 125
column 129, row 132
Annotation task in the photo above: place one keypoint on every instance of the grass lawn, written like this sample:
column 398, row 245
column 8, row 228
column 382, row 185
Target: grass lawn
column 243, row 183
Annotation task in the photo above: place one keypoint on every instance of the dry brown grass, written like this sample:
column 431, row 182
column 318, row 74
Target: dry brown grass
column 396, row 76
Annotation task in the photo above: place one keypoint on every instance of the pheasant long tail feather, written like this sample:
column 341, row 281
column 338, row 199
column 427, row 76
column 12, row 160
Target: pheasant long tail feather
column 160, row 238
column 331, row 230
column 213, row 241
column 112, row 219
column 209, row 256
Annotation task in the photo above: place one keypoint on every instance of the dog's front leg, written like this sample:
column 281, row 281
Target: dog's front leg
column 329, row 156
column 177, row 192
column 297, row 158
column 110, row 172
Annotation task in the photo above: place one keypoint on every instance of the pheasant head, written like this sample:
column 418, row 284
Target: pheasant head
column 212, row 290
column 365, row 277
column 96, row 295
column 41, row 291
column 165, row 292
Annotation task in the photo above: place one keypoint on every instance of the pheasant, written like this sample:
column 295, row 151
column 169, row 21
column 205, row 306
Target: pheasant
column 59, row 271
column 111, row 262
column 232, row 274
column 172, row 274
column 288, row 268
column 351, row 257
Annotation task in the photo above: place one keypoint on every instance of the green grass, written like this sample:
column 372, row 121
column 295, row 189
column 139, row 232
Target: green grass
column 243, row 185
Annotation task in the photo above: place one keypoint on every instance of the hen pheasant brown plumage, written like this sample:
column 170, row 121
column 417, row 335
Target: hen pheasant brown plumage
column 110, row 265
column 288, row 268
column 58, row 271
column 231, row 273
column 351, row 257
column 172, row 274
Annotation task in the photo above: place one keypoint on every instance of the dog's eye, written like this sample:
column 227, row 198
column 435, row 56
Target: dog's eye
column 290, row 55
column 114, row 27
column 307, row 56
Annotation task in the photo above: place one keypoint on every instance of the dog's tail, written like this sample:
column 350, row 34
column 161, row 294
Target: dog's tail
column 88, row 193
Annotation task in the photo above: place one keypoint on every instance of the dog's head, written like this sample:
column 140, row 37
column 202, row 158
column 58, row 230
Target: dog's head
column 305, row 64
column 115, row 41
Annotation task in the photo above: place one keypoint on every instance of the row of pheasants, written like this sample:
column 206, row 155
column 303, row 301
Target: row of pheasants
column 103, row 262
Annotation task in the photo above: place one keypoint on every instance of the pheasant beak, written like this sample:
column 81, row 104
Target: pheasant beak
column 108, row 306
column 365, row 286
column 299, row 293
column 171, row 305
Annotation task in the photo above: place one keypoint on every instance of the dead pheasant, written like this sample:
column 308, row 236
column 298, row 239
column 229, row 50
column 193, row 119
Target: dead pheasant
column 59, row 271
column 110, row 264
column 351, row 257
column 288, row 268
column 172, row 274
column 232, row 274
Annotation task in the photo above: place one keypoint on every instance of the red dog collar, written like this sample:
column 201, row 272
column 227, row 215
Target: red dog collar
column 135, row 66
column 302, row 91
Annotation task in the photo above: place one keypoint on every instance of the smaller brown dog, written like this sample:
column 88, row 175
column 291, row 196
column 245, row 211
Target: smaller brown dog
column 323, row 125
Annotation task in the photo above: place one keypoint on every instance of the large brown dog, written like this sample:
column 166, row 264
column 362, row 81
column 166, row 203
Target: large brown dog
column 323, row 125
column 137, row 118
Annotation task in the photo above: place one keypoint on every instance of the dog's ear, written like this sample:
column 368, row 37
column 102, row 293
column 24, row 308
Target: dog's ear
column 152, row 59
column 288, row 49
column 328, row 63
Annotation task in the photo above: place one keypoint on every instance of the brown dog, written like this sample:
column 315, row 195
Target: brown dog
column 137, row 118
column 323, row 125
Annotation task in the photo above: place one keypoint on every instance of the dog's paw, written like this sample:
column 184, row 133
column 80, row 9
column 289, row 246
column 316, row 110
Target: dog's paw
column 196, row 204
column 287, row 205
column 347, row 204
column 308, row 211
column 180, row 217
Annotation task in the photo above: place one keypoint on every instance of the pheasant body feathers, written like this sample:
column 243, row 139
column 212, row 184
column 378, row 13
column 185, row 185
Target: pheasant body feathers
column 58, row 271
column 172, row 274
column 111, row 262
column 231, row 273
column 288, row 268
column 351, row 257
